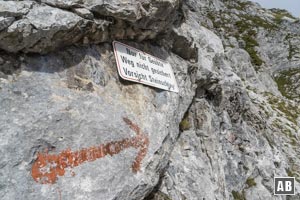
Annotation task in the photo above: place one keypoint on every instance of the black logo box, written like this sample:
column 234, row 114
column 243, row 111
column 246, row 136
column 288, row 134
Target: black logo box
column 284, row 183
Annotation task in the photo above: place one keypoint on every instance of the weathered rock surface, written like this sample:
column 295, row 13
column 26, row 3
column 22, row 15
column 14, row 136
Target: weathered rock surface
column 45, row 27
column 75, row 100
column 233, row 126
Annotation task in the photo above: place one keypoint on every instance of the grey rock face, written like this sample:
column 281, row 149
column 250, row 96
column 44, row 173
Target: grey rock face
column 63, row 3
column 42, row 28
column 238, row 137
column 128, row 10
column 6, row 22
column 71, row 128
column 85, row 13
column 34, row 33
column 15, row 8
column 75, row 100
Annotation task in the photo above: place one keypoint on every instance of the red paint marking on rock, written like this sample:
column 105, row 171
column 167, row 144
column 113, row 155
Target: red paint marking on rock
column 47, row 167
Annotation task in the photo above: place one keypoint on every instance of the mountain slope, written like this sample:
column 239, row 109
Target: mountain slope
column 232, row 127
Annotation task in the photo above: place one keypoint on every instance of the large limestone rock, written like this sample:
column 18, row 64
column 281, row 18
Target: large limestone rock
column 71, row 128
column 75, row 100
column 27, row 26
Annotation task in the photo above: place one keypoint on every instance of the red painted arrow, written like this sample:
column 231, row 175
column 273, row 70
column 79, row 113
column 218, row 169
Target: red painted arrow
column 47, row 168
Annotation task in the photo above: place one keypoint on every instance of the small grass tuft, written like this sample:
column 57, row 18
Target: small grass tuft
column 238, row 196
column 279, row 14
column 286, row 84
column 250, row 182
column 185, row 123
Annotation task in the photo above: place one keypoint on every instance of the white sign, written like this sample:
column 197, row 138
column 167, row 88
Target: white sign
column 138, row 66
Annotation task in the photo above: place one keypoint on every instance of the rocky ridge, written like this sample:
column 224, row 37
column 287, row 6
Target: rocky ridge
column 233, row 126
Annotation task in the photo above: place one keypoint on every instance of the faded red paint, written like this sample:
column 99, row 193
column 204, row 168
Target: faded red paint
column 47, row 168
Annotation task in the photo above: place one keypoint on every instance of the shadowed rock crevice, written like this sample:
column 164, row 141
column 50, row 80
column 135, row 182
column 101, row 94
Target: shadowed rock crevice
column 9, row 64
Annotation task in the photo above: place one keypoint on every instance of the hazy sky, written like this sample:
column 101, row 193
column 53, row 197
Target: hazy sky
column 293, row 6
